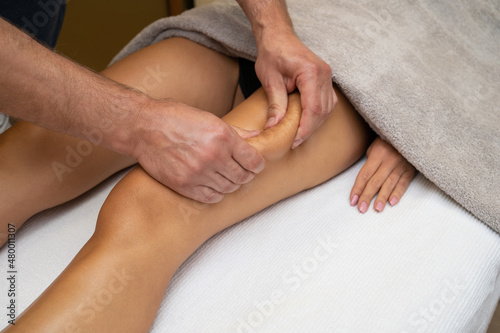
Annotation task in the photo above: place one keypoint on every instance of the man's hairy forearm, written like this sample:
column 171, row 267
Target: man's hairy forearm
column 42, row 87
column 271, row 15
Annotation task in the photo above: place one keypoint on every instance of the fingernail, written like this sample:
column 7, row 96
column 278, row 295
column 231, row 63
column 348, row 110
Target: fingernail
column 354, row 200
column 270, row 122
column 379, row 207
column 393, row 201
column 363, row 207
column 297, row 143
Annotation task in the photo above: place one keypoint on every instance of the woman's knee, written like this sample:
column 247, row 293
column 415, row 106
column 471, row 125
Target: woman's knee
column 134, row 214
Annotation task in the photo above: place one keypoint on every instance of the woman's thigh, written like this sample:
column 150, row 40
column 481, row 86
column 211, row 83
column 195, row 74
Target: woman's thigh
column 181, row 69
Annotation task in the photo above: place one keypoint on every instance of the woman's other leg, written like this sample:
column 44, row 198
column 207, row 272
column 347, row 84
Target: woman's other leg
column 146, row 231
column 40, row 169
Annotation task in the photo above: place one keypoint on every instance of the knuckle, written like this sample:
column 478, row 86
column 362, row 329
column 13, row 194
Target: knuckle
column 256, row 163
column 205, row 155
column 198, row 197
column 391, row 182
column 411, row 170
column 233, row 188
column 376, row 183
column 245, row 177
column 211, row 196
column 233, row 170
column 402, row 168
column 317, row 110
column 402, row 185
column 219, row 133
column 275, row 109
column 405, row 181
column 320, row 68
column 398, row 159
column 364, row 176
column 316, row 68
column 196, row 168
column 237, row 174
column 228, row 187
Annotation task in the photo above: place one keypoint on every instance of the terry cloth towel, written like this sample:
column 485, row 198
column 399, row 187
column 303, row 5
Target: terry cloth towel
column 424, row 74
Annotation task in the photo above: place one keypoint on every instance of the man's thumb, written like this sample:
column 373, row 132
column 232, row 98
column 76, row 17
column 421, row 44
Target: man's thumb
column 278, row 100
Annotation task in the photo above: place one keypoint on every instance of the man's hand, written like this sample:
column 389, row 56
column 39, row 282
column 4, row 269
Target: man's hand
column 194, row 152
column 284, row 64
column 191, row 151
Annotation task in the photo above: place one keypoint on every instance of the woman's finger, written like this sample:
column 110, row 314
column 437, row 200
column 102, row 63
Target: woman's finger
column 374, row 185
column 388, row 188
column 365, row 174
column 402, row 184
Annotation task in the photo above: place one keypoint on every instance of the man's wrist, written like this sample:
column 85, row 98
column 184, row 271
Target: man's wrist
column 267, row 16
column 126, row 124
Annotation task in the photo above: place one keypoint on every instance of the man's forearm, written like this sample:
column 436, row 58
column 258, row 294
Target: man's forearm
column 42, row 87
column 267, row 15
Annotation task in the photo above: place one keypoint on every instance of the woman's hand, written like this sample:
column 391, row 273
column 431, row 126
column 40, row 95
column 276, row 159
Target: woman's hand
column 385, row 172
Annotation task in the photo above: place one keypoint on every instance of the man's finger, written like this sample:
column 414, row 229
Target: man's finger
column 278, row 101
column 235, row 173
column 203, row 194
column 248, row 157
column 317, row 105
column 223, row 185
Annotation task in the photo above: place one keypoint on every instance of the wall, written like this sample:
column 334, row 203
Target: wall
column 198, row 3
column 95, row 30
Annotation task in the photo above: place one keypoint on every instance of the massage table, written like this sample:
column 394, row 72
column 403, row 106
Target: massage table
column 310, row 263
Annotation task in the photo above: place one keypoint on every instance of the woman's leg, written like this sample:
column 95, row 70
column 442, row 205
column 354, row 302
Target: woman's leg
column 146, row 231
column 40, row 169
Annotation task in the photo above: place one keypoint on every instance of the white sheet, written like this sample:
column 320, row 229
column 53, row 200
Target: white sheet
column 310, row 263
